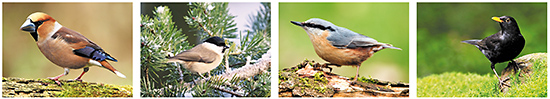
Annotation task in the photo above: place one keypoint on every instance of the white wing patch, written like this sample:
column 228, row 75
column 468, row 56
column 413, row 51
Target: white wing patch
column 93, row 62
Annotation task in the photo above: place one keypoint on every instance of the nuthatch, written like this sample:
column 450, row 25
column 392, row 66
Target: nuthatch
column 203, row 57
column 340, row 46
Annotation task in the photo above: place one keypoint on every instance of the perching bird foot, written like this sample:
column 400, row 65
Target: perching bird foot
column 73, row 80
column 503, row 82
column 56, row 80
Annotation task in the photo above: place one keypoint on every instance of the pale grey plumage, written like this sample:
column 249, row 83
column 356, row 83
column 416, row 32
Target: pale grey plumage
column 340, row 36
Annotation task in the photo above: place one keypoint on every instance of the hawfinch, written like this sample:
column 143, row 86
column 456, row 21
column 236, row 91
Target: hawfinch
column 65, row 47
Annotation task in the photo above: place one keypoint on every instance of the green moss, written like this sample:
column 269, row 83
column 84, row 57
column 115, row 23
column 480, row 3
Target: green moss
column 534, row 85
column 367, row 80
column 315, row 85
column 455, row 84
column 20, row 87
column 321, row 89
column 319, row 77
column 86, row 89
column 281, row 77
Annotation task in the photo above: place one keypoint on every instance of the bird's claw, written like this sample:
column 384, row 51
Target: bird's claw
column 58, row 83
column 72, row 80
column 503, row 82
column 56, row 80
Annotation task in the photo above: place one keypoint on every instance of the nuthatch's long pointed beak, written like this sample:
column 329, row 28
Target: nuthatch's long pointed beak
column 28, row 26
column 393, row 47
column 297, row 23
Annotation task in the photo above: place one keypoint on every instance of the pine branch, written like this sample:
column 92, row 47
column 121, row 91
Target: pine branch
column 246, row 71
column 224, row 90
column 202, row 26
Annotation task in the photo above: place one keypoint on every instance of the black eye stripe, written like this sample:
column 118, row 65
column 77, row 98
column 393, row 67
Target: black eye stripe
column 319, row 26
column 38, row 23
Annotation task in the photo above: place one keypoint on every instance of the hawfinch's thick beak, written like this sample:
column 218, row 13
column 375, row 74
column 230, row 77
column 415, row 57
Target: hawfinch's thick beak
column 28, row 26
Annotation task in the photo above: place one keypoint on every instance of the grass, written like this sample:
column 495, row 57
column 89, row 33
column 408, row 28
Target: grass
column 457, row 84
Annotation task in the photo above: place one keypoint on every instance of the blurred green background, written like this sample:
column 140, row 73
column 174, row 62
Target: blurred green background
column 442, row 27
column 385, row 22
column 109, row 25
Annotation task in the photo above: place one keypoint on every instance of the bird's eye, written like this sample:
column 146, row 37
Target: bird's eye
column 507, row 19
column 38, row 23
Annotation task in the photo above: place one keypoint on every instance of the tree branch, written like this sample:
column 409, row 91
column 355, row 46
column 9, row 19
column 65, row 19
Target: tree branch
column 224, row 90
column 244, row 72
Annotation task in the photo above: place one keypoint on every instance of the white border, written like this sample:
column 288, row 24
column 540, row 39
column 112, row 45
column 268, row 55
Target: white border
column 136, row 48
column 275, row 31
column 275, row 49
column 412, row 49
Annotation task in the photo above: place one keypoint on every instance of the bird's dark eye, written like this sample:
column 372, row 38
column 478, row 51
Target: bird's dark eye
column 507, row 19
column 38, row 23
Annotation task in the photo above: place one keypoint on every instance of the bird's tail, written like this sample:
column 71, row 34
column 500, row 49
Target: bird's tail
column 473, row 42
column 108, row 66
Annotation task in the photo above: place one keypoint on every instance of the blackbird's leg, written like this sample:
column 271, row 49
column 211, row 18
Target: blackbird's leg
column 500, row 81
column 515, row 66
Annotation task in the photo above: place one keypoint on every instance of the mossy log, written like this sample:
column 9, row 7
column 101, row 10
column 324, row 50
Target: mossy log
column 21, row 87
column 524, row 65
column 310, row 79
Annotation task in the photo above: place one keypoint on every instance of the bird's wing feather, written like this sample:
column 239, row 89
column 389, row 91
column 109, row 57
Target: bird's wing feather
column 340, row 39
column 192, row 55
column 491, row 44
column 81, row 45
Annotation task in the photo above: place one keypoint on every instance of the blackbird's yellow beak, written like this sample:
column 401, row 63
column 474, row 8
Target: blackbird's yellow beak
column 497, row 19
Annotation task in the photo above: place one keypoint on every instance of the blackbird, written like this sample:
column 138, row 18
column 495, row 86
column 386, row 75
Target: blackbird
column 503, row 46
